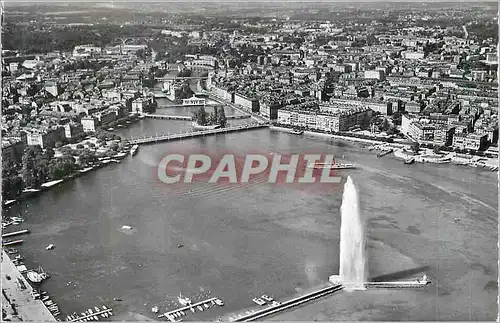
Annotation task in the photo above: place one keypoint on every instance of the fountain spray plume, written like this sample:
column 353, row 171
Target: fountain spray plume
column 352, row 240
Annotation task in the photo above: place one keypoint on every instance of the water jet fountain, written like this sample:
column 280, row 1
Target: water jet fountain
column 353, row 266
column 352, row 273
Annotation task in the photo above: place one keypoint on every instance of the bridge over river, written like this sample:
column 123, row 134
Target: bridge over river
column 193, row 134
column 189, row 118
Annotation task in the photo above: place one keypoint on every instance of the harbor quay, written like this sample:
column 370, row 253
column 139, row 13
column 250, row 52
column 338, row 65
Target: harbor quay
column 28, row 309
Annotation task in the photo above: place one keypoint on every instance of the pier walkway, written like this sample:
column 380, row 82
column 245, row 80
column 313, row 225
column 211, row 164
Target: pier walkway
column 93, row 316
column 186, row 308
column 11, row 234
column 193, row 134
column 288, row 304
column 209, row 105
column 166, row 116
column 28, row 309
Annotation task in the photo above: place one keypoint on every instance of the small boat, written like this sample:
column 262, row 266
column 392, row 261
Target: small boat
column 200, row 308
column 126, row 227
column 154, row 309
column 184, row 301
column 17, row 219
column 409, row 160
column 206, row 305
column 384, row 152
column 219, row 302
column 267, row 298
column 50, row 247
column 456, row 219
column 180, row 245
column 332, row 166
column 297, row 132
column 34, row 277
column 192, row 309
column 258, row 301
column 134, row 150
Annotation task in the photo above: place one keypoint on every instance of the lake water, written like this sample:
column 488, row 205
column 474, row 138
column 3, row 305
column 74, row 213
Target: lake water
column 242, row 241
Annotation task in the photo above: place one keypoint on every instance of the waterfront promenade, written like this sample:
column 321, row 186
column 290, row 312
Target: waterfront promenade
column 28, row 309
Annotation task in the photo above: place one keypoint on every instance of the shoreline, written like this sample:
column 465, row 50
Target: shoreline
column 28, row 193
column 28, row 309
column 448, row 158
column 314, row 133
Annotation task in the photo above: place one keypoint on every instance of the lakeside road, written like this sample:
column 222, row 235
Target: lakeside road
column 361, row 140
column 28, row 308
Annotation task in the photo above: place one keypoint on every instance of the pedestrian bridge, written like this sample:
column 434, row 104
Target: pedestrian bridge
column 174, row 78
column 189, row 118
column 209, row 105
column 193, row 134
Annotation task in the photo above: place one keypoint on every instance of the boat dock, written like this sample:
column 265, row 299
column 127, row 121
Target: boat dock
column 278, row 307
column 396, row 284
column 169, row 314
column 17, row 292
column 385, row 152
column 10, row 234
column 91, row 317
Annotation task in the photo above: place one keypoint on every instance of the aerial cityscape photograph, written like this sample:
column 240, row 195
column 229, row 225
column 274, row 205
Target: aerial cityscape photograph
column 235, row 161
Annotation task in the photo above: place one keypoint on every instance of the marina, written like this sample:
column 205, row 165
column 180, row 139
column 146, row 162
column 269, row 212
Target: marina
column 276, row 307
column 91, row 315
column 171, row 315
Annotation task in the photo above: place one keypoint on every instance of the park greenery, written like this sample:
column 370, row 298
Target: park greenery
column 39, row 165
column 216, row 117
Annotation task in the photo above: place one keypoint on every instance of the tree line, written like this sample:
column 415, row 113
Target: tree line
column 216, row 117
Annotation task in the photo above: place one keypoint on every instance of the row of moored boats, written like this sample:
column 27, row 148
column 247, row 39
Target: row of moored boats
column 90, row 315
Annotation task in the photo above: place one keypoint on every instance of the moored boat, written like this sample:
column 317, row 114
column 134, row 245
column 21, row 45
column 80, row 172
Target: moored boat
column 297, row 132
column 409, row 160
column 134, row 150
column 332, row 166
